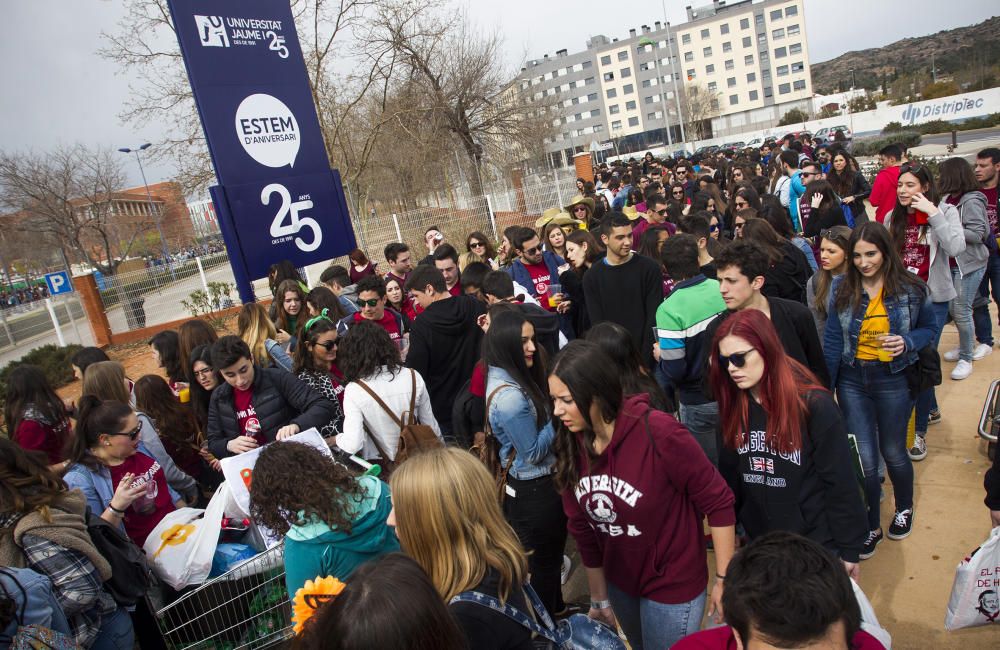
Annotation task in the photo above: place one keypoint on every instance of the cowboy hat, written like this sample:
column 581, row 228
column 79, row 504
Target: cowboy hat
column 548, row 216
column 577, row 200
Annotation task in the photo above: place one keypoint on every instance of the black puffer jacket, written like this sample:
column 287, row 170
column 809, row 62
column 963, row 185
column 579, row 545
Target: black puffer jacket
column 279, row 398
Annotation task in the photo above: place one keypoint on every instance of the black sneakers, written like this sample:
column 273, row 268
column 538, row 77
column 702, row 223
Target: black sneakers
column 902, row 524
column 874, row 539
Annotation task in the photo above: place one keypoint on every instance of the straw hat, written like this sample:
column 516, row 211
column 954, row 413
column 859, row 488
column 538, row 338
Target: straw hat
column 577, row 200
column 548, row 216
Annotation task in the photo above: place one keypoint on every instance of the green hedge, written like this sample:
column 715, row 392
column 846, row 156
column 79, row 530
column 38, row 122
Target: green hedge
column 943, row 126
column 871, row 146
column 52, row 359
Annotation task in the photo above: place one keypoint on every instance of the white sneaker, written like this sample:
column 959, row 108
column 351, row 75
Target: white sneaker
column 952, row 355
column 962, row 370
column 981, row 351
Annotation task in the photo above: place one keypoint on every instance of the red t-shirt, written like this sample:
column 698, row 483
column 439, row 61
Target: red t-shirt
column 387, row 322
column 991, row 208
column 456, row 290
column 541, row 278
column 247, row 416
column 916, row 252
column 145, row 512
column 477, row 385
column 883, row 195
column 337, row 380
column 723, row 638
column 35, row 436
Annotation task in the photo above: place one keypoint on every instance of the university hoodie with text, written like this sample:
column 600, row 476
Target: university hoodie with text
column 637, row 508
column 813, row 491
column 444, row 347
column 314, row 549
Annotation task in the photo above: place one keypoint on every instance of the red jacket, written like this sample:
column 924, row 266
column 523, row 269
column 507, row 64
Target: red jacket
column 883, row 196
column 722, row 638
column 638, row 511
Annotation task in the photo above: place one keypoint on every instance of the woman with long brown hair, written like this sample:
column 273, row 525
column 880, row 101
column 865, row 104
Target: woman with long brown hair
column 784, row 444
column 849, row 183
column 290, row 313
column 35, row 415
column 583, row 250
column 788, row 270
column 190, row 335
column 832, row 263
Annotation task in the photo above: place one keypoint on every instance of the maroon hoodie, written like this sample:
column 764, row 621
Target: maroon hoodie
column 638, row 511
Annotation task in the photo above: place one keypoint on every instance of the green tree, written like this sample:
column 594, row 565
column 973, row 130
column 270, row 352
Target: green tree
column 939, row 89
column 794, row 116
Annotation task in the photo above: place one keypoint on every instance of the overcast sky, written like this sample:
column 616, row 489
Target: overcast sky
column 57, row 90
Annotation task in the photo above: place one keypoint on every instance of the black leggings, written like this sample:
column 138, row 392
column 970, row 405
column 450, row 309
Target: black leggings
column 536, row 514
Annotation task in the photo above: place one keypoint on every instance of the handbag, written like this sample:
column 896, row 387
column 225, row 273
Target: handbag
column 131, row 578
column 925, row 372
column 974, row 597
column 413, row 436
column 576, row 632
column 488, row 451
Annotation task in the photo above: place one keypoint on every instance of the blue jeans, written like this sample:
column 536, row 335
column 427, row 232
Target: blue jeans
column 981, row 309
column 653, row 625
column 116, row 632
column 967, row 287
column 876, row 406
column 927, row 400
column 702, row 421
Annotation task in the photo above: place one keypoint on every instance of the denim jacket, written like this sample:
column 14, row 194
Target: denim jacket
column 512, row 417
column 97, row 487
column 910, row 316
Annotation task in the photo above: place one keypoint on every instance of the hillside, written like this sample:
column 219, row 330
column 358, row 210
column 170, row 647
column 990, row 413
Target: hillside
column 969, row 54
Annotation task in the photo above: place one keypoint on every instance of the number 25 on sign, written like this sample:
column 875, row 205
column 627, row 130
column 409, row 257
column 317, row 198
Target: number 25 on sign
column 282, row 229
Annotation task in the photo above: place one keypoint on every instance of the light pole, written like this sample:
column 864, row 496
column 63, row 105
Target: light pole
column 673, row 82
column 152, row 208
column 645, row 40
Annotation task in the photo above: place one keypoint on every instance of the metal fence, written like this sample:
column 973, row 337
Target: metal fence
column 33, row 325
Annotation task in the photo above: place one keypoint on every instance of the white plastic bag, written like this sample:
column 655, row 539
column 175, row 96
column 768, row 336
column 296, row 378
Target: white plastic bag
column 869, row 622
column 182, row 546
column 975, row 595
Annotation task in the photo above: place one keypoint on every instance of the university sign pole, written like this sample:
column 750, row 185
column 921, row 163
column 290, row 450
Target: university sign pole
column 277, row 197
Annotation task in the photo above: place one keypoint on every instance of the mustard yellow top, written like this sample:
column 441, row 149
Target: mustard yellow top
column 875, row 324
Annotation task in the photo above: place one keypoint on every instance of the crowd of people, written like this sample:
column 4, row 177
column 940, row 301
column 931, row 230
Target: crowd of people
column 14, row 299
column 697, row 354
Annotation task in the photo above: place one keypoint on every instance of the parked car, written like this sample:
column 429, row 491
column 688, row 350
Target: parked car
column 827, row 134
column 707, row 150
column 733, row 146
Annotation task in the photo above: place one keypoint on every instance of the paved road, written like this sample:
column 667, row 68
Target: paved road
column 964, row 137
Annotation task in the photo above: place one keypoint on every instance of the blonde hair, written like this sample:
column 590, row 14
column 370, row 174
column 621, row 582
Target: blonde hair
column 255, row 328
column 449, row 521
column 468, row 258
column 105, row 380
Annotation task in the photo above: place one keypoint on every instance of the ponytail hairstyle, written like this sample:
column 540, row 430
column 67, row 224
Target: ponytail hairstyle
column 95, row 418
column 106, row 380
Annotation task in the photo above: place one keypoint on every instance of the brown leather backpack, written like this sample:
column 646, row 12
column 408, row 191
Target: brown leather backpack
column 413, row 436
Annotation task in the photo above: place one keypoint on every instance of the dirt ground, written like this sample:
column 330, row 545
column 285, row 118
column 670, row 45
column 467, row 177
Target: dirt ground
column 908, row 582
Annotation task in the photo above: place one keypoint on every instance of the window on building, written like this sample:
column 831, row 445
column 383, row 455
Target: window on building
column 690, row 74
column 614, row 109
column 791, row 11
column 612, row 93
column 685, row 39
column 578, row 116
column 689, row 56
column 628, row 89
column 625, row 72
column 747, row 41
column 595, row 113
column 598, row 127
column 765, row 73
column 609, row 76
column 799, row 85
column 784, row 89
column 710, row 68
column 630, row 105
column 748, row 59
column 778, row 33
column 762, row 37
column 616, row 125
column 780, row 52
column 623, row 55
column 730, row 82
column 797, row 67
column 793, row 30
column 776, row 14
column 650, row 100
column 646, row 83
column 704, row 33
column 712, row 87
column 795, row 48
column 729, row 64
column 644, row 66
column 753, row 95
column 715, row 104
column 587, row 64
column 744, row 23
column 782, row 70
column 724, row 29
column 727, row 47
column 768, row 92
column 605, row 60
column 764, row 57
column 592, row 97
column 758, row 19
column 734, row 100
column 633, row 121
column 707, row 51
column 658, row 115
column 574, row 101
column 751, row 77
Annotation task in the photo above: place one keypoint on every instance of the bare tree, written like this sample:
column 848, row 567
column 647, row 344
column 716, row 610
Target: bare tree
column 68, row 195
column 700, row 105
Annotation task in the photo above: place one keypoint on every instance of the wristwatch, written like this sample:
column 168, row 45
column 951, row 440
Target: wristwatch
column 600, row 604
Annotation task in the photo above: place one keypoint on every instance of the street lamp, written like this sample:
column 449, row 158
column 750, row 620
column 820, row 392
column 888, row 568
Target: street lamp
column 152, row 209
column 645, row 40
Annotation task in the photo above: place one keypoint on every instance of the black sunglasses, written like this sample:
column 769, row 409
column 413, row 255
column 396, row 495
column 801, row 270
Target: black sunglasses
column 911, row 168
column 828, row 233
column 132, row 435
column 368, row 303
column 476, row 244
column 677, row 192
column 532, row 251
column 738, row 359
column 662, row 212
column 327, row 345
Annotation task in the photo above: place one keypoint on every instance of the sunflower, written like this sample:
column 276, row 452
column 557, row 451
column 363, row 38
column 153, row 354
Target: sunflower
column 313, row 595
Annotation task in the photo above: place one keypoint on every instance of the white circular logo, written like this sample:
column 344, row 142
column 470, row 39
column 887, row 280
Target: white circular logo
column 600, row 508
column 268, row 130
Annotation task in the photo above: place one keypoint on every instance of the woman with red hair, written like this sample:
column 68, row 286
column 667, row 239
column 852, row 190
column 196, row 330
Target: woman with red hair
column 784, row 444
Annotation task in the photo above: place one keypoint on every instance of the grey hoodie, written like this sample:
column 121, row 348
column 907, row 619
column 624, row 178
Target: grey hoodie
column 972, row 212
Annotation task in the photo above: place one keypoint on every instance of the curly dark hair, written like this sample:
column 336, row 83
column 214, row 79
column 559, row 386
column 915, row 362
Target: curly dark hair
column 321, row 488
column 365, row 349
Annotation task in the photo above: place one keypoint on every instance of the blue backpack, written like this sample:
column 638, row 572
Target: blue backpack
column 848, row 214
column 578, row 632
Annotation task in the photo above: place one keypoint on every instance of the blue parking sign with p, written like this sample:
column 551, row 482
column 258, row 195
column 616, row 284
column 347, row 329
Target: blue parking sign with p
column 58, row 283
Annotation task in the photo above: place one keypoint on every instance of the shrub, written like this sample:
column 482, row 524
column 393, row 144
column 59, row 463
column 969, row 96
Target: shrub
column 52, row 359
column 794, row 116
column 207, row 304
column 871, row 146
column 892, row 127
column 934, row 126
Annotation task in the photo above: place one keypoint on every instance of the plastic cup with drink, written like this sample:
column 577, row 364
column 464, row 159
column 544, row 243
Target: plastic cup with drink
column 555, row 295
column 884, row 354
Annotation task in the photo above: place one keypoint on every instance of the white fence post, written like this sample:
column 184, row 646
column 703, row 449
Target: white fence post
column 395, row 222
column 558, row 189
column 201, row 272
column 55, row 322
column 69, row 312
column 493, row 220
column 6, row 327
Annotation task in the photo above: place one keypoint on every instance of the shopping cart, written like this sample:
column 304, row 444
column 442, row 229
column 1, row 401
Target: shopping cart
column 243, row 609
column 989, row 421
